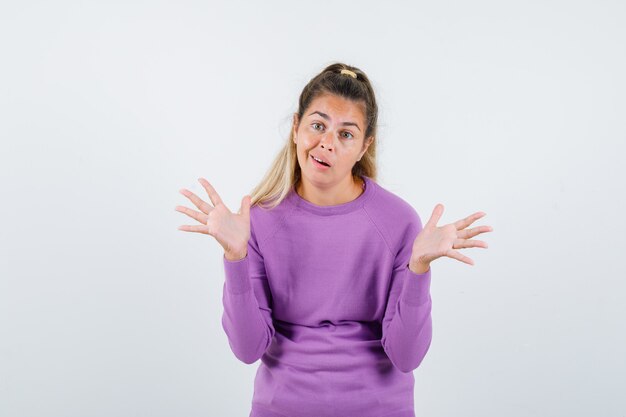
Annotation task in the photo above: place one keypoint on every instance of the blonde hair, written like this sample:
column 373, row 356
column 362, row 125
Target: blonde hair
column 284, row 172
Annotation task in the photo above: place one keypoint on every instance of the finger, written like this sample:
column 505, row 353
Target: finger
column 215, row 198
column 468, row 243
column 201, row 217
column 435, row 216
column 197, row 201
column 463, row 223
column 245, row 206
column 459, row 256
column 469, row 233
column 196, row 229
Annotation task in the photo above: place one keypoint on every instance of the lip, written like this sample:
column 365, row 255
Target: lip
column 323, row 159
column 318, row 165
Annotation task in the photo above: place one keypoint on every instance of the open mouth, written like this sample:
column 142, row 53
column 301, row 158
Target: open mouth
column 319, row 162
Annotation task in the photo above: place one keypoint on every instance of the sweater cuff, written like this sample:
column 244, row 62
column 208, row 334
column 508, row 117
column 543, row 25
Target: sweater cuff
column 416, row 287
column 237, row 278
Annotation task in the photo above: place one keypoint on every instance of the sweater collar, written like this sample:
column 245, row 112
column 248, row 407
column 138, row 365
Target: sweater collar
column 295, row 199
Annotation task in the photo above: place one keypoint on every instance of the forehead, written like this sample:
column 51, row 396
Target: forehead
column 337, row 107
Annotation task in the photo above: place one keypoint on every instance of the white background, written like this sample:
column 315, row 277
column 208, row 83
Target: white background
column 107, row 109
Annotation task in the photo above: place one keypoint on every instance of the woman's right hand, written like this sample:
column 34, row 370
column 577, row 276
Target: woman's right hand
column 231, row 230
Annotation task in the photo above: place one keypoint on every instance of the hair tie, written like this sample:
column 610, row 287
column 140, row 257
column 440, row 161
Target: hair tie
column 348, row 72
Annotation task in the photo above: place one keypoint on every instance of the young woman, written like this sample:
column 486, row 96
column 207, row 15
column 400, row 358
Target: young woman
column 327, row 273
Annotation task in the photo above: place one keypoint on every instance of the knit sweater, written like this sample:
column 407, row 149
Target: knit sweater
column 325, row 298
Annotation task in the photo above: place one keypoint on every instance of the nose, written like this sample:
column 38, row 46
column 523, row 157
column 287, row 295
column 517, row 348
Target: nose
column 327, row 140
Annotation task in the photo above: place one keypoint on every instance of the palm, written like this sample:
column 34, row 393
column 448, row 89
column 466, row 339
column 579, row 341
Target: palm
column 231, row 230
column 434, row 242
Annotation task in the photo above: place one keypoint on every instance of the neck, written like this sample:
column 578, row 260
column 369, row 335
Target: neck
column 343, row 192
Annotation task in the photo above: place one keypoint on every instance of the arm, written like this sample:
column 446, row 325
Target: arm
column 247, row 317
column 407, row 324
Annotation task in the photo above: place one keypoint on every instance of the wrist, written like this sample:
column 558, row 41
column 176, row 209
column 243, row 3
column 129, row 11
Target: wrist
column 235, row 256
column 419, row 267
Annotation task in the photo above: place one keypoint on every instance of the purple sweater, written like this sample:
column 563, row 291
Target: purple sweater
column 326, row 300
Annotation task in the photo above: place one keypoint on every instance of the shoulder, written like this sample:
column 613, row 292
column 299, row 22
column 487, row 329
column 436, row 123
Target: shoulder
column 265, row 221
column 391, row 205
column 393, row 215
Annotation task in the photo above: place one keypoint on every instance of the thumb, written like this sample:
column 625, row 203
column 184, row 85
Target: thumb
column 435, row 216
column 245, row 205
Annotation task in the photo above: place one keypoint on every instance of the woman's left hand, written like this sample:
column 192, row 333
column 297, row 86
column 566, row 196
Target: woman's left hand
column 434, row 242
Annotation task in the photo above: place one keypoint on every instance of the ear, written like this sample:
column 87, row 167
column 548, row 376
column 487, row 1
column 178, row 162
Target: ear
column 367, row 144
column 294, row 125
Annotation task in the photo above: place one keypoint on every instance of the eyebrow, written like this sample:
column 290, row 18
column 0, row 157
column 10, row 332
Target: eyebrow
column 325, row 116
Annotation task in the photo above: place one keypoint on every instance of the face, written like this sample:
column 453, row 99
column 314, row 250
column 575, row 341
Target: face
column 333, row 130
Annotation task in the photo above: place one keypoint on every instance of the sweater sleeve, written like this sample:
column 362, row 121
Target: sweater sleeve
column 247, row 317
column 407, row 323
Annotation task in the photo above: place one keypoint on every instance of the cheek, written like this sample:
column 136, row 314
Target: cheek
column 305, row 145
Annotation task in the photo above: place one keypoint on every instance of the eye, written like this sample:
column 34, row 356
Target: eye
column 316, row 124
column 351, row 136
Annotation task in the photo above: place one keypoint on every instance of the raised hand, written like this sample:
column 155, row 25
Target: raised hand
column 434, row 242
column 231, row 230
